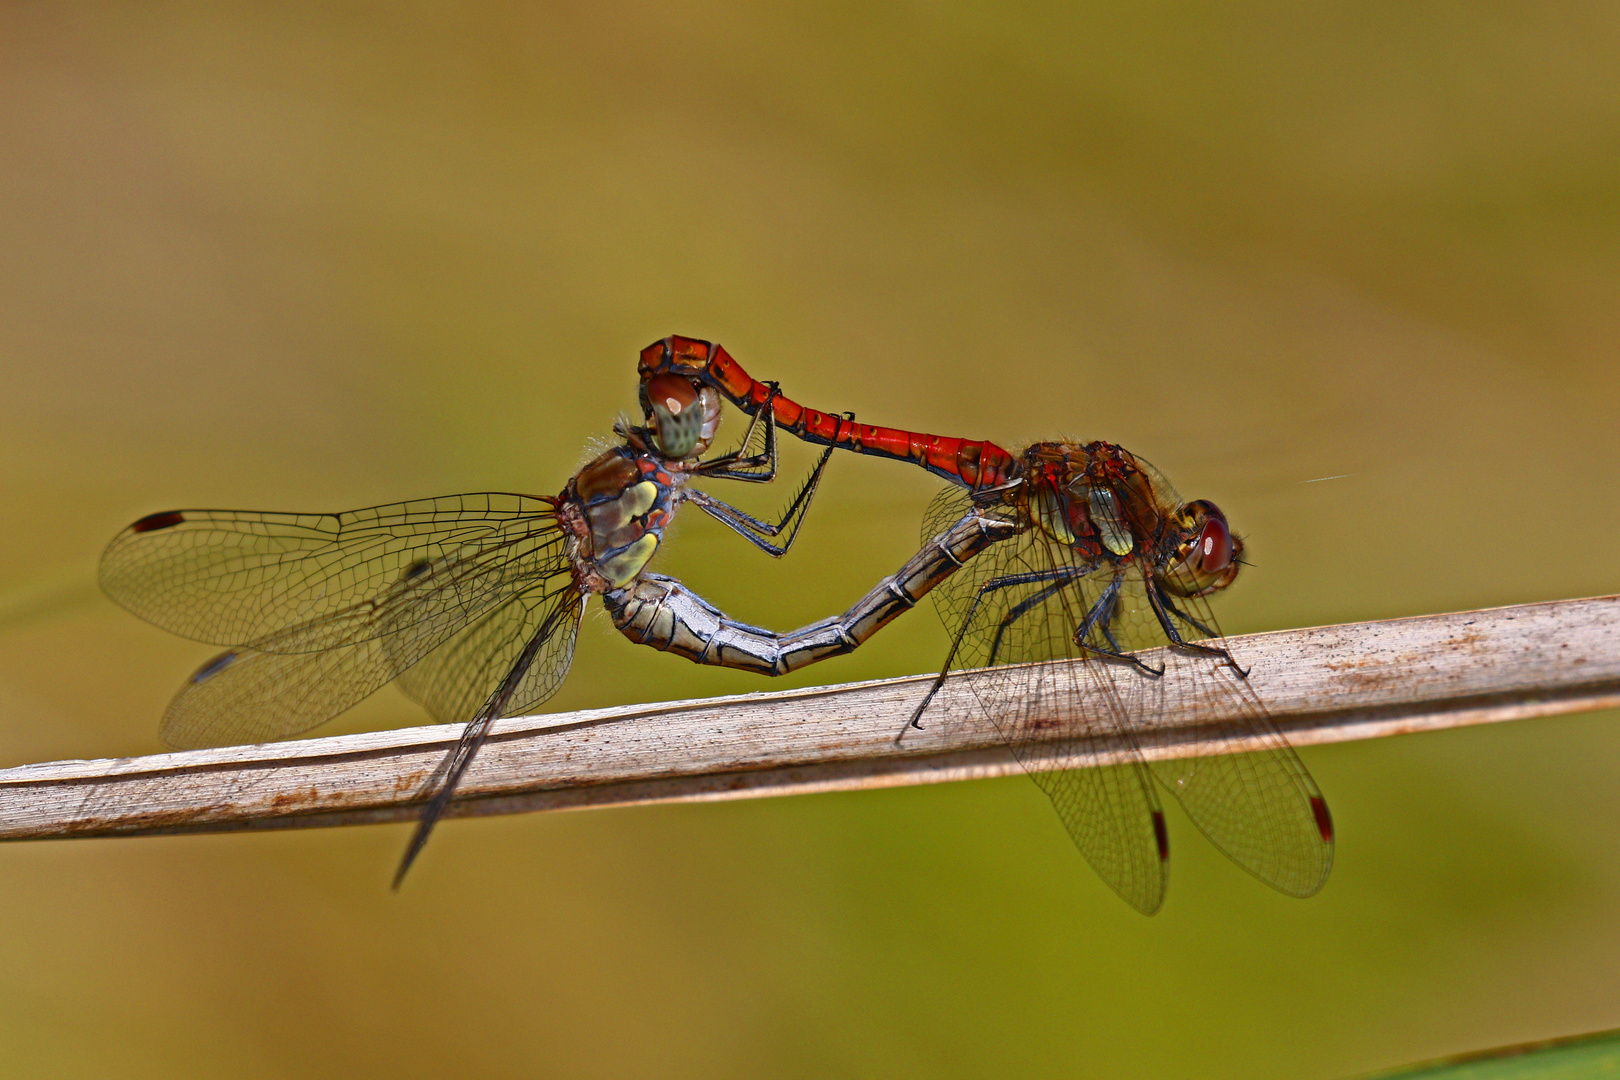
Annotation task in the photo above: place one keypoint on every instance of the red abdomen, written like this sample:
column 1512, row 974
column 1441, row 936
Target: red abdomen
column 974, row 464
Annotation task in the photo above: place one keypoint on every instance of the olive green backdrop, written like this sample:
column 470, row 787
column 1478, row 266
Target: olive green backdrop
column 323, row 256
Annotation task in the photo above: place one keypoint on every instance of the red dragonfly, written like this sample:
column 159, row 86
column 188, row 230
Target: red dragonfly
column 1097, row 560
column 473, row 602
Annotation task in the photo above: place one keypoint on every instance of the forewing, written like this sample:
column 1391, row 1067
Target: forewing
column 299, row 676
column 1013, row 610
column 534, row 638
column 305, row 582
column 1260, row 806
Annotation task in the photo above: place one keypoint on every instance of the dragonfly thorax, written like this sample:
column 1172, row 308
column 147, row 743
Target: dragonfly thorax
column 1096, row 499
column 626, row 499
column 1106, row 503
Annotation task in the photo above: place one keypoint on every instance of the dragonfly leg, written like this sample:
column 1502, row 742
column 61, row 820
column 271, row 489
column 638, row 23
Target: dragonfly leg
column 1105, row 625
column 1162, row 609
column 915, row 720
column 753, row 529
column 1065, row 576
column 1020, row 609
column 1188, row 619
column 1099, row 618
column 738, row 464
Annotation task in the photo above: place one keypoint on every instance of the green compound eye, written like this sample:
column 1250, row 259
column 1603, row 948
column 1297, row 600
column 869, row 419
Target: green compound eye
column 672, row 408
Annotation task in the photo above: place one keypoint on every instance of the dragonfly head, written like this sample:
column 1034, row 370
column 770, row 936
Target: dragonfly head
column 1208, row 556
column 682, row 416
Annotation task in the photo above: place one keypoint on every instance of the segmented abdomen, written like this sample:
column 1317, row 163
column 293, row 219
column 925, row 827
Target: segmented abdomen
column 972, row 463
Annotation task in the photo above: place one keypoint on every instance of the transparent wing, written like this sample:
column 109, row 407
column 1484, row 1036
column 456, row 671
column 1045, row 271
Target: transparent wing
column 1019, row 606
column 244, row 696
column 248, row 696
column 407, row 586
column 306, row 582
column 1261, row 807
column 1013, row 611
column 536, row 643
column 455, row 680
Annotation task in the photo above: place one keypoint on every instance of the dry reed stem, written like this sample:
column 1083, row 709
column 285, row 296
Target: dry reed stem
column 1325, row 684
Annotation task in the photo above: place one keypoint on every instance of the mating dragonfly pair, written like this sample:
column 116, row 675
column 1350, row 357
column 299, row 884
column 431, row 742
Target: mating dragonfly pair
column 1054, row 570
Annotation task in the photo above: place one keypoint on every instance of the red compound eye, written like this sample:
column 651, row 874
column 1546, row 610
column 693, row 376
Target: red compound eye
column 672, row 393
column 1214, row 549
column 1207, row 560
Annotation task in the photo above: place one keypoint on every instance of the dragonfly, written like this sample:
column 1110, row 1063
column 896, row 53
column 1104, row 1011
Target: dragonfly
column 473, row 602
column 1082, row 627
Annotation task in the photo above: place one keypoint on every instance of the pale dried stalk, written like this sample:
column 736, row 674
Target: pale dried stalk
column 1322, row 685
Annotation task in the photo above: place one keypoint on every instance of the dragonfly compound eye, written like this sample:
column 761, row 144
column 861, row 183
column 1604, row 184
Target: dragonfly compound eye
column 673, row 413
column 1207, row 560
column 1214, row 548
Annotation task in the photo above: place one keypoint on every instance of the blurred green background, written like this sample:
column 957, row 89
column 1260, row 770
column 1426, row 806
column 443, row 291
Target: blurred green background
column 323, row 256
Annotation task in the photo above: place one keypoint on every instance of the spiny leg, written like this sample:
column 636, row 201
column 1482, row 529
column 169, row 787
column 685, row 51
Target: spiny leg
column 1034, row 577
column 1105, row 627
column 757, row 468
column 1105, row 624
column 1161, row 609
column 1188, row 619
column 1019, row 610
column 1101, row 613
column 939, row 680
column 754, row 529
